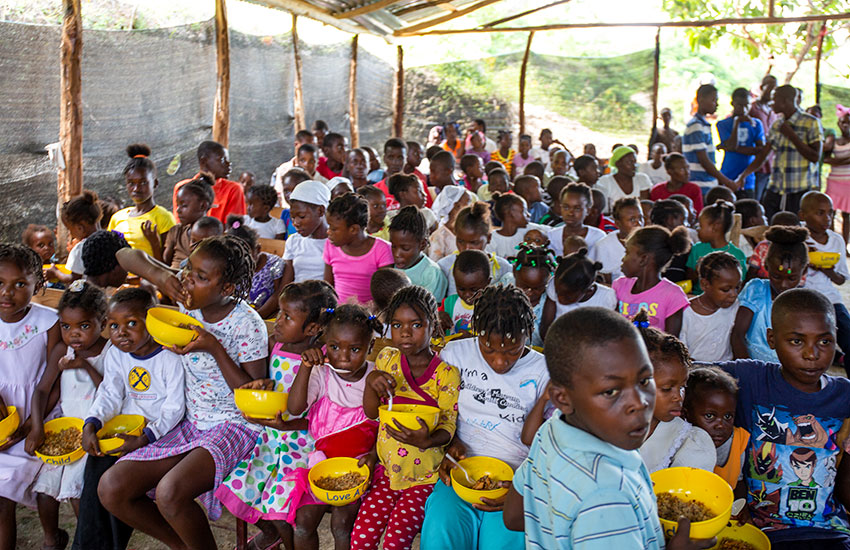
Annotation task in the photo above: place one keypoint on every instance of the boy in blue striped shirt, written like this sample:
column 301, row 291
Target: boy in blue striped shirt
column 584, row 484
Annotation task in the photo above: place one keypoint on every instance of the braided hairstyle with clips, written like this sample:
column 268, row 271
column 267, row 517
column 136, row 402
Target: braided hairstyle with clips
column 351, row 314
column 529, row 255
column 314, row 297
column 85, row 296
column 24, row 258
column 503, row 310
column 418, row 298
column 236, row 259
column 659, row 344
column 576, row 271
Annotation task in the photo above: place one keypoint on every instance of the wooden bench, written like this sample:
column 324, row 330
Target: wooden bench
column 272, row 246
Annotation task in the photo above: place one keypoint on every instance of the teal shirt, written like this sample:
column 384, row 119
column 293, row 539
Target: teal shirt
column 428, row 274
column 704, row 249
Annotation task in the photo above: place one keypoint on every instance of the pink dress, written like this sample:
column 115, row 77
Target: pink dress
column 352, row 274
column 660, row 301
column 838, row 181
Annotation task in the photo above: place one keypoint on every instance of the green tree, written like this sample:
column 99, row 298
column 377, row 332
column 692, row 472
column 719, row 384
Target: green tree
column 797, row 41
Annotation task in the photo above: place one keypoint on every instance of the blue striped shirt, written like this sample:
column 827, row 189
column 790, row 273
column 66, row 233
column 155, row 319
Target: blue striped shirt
column 697, row 137
column 580, row 492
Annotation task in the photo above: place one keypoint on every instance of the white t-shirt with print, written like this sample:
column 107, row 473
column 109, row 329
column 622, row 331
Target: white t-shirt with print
column 269, row 229
column 819, row 281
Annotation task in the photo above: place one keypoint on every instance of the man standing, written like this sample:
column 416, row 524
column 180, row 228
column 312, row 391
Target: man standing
column 698, row 145
column 741, row 137
column 762, row 110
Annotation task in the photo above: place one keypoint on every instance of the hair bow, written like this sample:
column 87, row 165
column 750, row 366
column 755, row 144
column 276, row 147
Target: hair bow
column 641, row 324
column 329, row 310
column 77, row 286
column 841, row 110
column 371, row 317
column 236, row 225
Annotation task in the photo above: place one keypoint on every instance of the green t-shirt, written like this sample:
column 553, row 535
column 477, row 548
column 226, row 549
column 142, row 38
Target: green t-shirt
column 704, row 249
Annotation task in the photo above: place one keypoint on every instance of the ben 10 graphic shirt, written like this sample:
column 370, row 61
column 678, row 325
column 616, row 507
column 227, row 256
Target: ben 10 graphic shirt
column 792, row 458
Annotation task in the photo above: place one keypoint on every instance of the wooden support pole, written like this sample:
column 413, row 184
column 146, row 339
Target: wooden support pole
column 363, row 10
column 398, row 96
column 770, row 8
column 300, row 118
column 221, row 109
column 70, row 180
column 821, row 36
column 522, row 72
column 655, row 78
column 524, row 13
column 353, row 116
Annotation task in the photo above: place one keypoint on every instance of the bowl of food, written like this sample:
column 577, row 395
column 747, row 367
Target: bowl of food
column 823, row 259
column 263, row 404
column 127, row 424
column 63, row 441
column 338, row 481
column 687, row 285
column 741, row 537
column 10, row 423
column 169, row 327
column 406, row 415
column 486, row 473
column 701, row 496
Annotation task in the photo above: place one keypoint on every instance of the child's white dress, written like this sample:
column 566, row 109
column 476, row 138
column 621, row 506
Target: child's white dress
column 708, row 337
column 678, row 443
column 23, row 357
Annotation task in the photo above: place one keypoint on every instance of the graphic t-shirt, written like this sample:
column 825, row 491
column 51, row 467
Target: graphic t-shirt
column 791, row 460
column 750, row 134
column 660, row 301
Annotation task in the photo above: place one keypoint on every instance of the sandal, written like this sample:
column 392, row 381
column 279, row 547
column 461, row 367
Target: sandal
column 273, row 546
column 62, row 539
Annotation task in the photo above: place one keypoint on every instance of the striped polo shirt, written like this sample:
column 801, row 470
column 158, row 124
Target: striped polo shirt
column 697, row 137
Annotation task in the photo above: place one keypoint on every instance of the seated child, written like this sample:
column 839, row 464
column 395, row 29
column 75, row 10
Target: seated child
column 247, row 179
column 587, row 170
column 268, row 269
column 473, row 172
column 307, row 159
column 528, row 187
column 504, row 154
column 512, row 212
column 719, row 193
column 407, row 190
column 523, row 157
column 595, row 217
column 654, row 167
column 409, row 240
column 679, row 183
column 259, row 201
column 610, row 249
column 753, row 224
column 289, row 181
column 572, row 244
column 560, row 162
column 339, row 186
column 710, row 399
column 471, row 273
column 204, row 228
column 707, row 324
column 756, row 267
column 475, row 146
column 670, row 214
column 537, row 169
column 41, row 239
column 672, row 441
column 101, row 265
column 715, row 221
column 302, row 257
column 535, row 237
column 556, row 184
column 109, row 205
column 794, row 412
column 81, row 215
column 533, row 268
column 194, row 200
column 575, row 200
column 442, row 173
column 414, row 159
column 498, row 181
column 377, row 226
column 447, row 206
column 384, row 284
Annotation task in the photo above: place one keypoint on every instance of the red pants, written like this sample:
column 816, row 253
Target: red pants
column 400, row 513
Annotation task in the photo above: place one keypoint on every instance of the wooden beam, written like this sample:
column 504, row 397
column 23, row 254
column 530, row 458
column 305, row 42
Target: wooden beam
column 398, row 96
column 698, row 23
column 771, row 8
column 524, row 13
column 416, row 7
column 410, row 30
column 655, row 78
column 363, row 10
column 298, row 108
column 221, row 109
column 522, row 72
column 70, row 180
column 353, row 115
column 300, row 7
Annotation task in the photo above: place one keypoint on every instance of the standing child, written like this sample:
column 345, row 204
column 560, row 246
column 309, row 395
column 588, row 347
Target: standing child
column 504, row 154
column 258, row 490
column 351, row 256
column 407, row 373
column 194, row 199
column 409, row 238
column 707, row 324
column 214, row 159
column 302, row 256
column 332, row 394
column 377, row 226
column 81, row 215
column 648, row 252
column 447, row 206
column 471, row 274
column 78, row 365
column 513, row 213
column 28, row 335
column 533, row 268
column 715, row 221
column 268, row 270
column 259, row 201
column 611, row 248
column 786, row 262
column 576, row 199
column 139, row 377
column 837, row 154
column 741, row 137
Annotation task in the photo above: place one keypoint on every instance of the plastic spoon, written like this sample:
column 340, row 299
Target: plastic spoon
column 462, row 469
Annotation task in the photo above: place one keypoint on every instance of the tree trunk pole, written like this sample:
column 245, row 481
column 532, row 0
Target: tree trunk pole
column 821, row 36
column 70, row 179
column 398, row 96
column 300, row 118
column 522, row 72
column 655, row 78
column 353, row 116
column 221, row 108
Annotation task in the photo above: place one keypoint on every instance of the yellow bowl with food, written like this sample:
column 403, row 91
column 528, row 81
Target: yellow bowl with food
column 260, row 403
column 687, row 285
column 9, row 424
column 696, row 494
column 338, row 481
column 733, row 535
column 62, row 268
column 485, row 472
column 406, row 416
column 127, row 424
column 63, row 441
column 169, row 327
column 824, row 259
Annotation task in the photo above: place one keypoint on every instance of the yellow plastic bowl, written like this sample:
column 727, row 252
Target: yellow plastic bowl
column 745, row 533
column 57, row 425
column 129, row 424
column 406, row 416
column 260, row 403
column 824, row 259
column 687, row 285
column 479, row 466
column 695, row 484
column 163, row 322
column 336, row 467
column 9, row 424
column 61, row 267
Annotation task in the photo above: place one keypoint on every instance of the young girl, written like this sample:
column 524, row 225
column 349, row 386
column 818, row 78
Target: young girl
column 648, row 251
column 41, row 239
column 523, row 157
column 81, row 215
column 504, row 154
column 715, row 221
column 332, row 394
column 836, row 152
column 259, row 201
column 268, row 270
column 671, row 214
column 409, row 373
column 191, row 461
column 573, row 286
column 533, row 267
column 610, row 249
column 28, row 335
column 707, row 324
column 679, row 183
column 351, row 256
column 194, row 200
column 303, row 254
column 78, row 364
column 452, row 142
column 672, row 441
column 143, row 224
column 786, row 262
column 446, row 207
column 575, row 199
column 259, row 489
column 409, row 240
column 472, row 232
column 710, row 402
column 475, row 146
column 501, row 380
column 513, row 213
column 377, row 212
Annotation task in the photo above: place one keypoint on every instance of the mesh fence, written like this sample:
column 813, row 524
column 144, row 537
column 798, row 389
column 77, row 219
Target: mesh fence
column 829, row 97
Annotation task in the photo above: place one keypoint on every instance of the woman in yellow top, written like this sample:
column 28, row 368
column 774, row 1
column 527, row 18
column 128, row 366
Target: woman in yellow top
column 412, row 374
column 504, row 153
column 144, row 224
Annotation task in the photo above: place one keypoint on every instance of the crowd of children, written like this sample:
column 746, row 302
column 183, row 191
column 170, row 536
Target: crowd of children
column 585, row 351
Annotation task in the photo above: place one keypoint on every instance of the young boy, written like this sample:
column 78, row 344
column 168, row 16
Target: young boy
column 473, row 172
column 553, row 189
column 247, row 179
column 528, row 187
column 442, row 172
column 471, row 273
column 331, row 165
column 409, row 239
column 306, row 159
column 414, row 159
column 406, row 190
column 595, row 217
column 584, row 484
column 213, row 158
column 697, row 143
column 587, row 170
column 790, row 407
column 741, row 136
column 611, row 248
column 302, row 137
column 395, row 156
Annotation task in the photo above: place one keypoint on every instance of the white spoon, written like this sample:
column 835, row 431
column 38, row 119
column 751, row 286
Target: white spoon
column 462, row 469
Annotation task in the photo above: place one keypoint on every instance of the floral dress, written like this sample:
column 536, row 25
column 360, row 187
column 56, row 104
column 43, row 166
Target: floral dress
column 262, row 285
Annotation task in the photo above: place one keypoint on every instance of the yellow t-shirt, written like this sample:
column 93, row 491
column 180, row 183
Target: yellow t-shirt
column 132, row 227
column 408, row 466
